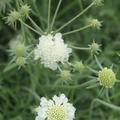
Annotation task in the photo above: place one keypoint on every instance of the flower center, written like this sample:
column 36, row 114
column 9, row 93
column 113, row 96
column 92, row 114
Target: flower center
column 57, row 112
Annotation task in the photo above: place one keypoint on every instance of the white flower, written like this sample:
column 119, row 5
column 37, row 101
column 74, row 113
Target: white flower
column 56, row 109
column 52, row 50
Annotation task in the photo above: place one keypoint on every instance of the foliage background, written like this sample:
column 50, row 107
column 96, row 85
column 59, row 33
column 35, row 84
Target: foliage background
column 20, row 89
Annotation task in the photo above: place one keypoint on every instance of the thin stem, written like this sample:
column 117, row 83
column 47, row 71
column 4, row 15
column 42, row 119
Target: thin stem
column 79, row 48
column 22, row 27
column 114, row 107
column 23, row 32
column 77, row 30
column 107, row 95
column 37, row 27
column 85, row 84
column 49, row 13
column 29, row 27
column 56, row 11
column 38, row 13
column 70, row 21
column 94, row 71
column 59, row 68
column 101, row 92
column 97, row 61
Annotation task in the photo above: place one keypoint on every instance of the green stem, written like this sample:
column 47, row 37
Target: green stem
column 22, row 26
column 56, row 11
column 97, row 61
column 79, row 48
column 29, row 27
column 114, row 107
column 49, row 13
column 36, row 26
column 71, row 87
column 70, row 21
column 38, row 12
column 77, row 30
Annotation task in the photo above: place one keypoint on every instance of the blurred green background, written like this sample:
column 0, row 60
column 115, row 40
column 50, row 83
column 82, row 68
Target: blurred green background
column 20, row 89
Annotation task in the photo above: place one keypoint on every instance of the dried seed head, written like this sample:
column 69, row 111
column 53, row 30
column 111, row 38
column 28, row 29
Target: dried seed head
column 107, row 77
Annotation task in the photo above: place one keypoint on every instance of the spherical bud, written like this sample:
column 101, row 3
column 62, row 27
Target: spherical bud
column 13, row 17
column 25, row 10
column 20, row 61
column 20, row 50
column 107, row 77
column 79, row 66
column 98, row 2
column 65, row 75
column 94, row 47
column 95, row 23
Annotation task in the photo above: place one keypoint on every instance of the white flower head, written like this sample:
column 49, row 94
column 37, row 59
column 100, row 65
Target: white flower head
column 57, row 108
column 52, row 50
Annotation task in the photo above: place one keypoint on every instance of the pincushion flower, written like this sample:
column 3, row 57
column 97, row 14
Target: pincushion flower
column 52, row 50
column 57, row 108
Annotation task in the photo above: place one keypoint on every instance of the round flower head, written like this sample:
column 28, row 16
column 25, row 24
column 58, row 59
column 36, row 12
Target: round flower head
column 79, row 66
column 20, row 50
column 15, row 41
column 13, row 17
column 65, row 75
column 94, row 23
column 25, row 9
column 57, row 108
column 107, row 77
column 52, row 50
column 94, row 48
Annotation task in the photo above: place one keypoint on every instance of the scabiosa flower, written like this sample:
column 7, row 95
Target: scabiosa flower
column 57, row 108
column 19, row 50
column 94, row 48
column 107, row 77
column 79, row 66
column 13, row 17
column 65, row 75
column 15, row 41
column 94, row 23
column 25, row 10
column 52, row 50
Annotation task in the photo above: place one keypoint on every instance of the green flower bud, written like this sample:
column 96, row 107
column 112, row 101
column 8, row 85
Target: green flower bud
column 107, row 77
column 65, row 75
column 20, row 50
column 79, row 66
column 25, row 9
column 20, row 61
column 94, row 47
column 13, row 17
column 95, row 23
